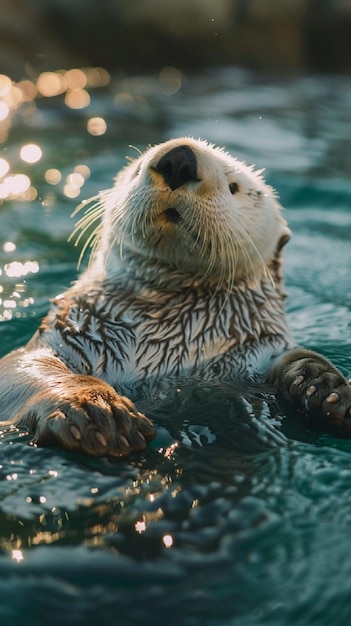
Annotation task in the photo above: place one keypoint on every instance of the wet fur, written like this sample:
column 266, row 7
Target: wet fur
column 184, row 280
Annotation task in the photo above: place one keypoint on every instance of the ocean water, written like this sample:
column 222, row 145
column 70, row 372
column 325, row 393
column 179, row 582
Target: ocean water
column 223, row 521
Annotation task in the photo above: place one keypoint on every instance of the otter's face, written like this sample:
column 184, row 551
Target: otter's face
column 198, row 209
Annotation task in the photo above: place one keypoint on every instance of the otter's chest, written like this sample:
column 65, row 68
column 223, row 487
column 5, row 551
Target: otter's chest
column 126, row 338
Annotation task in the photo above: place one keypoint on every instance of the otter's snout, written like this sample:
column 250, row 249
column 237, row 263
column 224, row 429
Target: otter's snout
column 178, row 166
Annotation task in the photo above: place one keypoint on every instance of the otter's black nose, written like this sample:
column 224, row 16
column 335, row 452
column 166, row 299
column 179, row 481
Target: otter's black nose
column 178, row 166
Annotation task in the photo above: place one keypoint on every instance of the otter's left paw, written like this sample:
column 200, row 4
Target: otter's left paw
column 317, row 388
column 87, row 415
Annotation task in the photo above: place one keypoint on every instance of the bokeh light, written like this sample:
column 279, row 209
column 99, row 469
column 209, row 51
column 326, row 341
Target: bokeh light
column 4, row 167
column 53, row 176
column 73, row 184
column 24, row 98
column 31, row 153
column 71, row 191
column 73, row 84
column 97, row 77
column 17, row 269
column 5, row 84
column 14, row 97
column 97, row 126
column 9, row 246
column 77, row 99
column 51, row 84
column 76, row 179
column 4, row 111
column 14, row 186
column 170, row 80
column 29, row 90
column 75, row 79
column 83, row 170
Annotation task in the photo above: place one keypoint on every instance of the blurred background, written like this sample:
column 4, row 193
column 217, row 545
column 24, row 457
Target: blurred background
column 144, row 35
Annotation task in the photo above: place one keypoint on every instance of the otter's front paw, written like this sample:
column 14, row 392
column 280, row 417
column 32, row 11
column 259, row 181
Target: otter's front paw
column 88, row 416
column 318, row 389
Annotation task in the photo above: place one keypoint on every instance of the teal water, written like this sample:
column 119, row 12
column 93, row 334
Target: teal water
column 217, row 523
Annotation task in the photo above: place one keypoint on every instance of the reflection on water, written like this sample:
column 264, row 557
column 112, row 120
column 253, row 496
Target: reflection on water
column 180, row 495
column 22, row 99
column 13, row 293
column 238, row 512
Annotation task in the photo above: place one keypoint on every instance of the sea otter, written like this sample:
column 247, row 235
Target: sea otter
column 184, row 281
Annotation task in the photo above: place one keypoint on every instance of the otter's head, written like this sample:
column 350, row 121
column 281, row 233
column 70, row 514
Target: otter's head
column 195, row 208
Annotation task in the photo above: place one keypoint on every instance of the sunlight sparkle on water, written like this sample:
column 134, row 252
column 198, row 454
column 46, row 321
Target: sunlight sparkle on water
column 73, row 84
column 9, row 246
column 5, row 84
column 97, row 126
column 71, row 191
column 140, row 527
column 17, row 555
column 51, row 84
column 75, row 79
column 168, row 541
column 17, row 269
column 77, row 99
column 28, row 89
column 4, row 111
column 53, row 176
column 83, row 170
column 75, row 179
column 31, row 153
column 14, row 98
column 73, row 185
column 4, row 167
column 14, row 186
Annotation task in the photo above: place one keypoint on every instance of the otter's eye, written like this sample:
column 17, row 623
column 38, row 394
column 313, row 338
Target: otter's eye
column 233, row 188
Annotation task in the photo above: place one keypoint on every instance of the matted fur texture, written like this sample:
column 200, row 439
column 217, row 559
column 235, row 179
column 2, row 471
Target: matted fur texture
column 184, row 280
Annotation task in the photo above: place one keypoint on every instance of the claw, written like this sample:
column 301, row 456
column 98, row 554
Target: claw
column 333, row 398
column 298, row 380
column 75, row 432
column 101, row 439
column 123, row 441
column 311, row 390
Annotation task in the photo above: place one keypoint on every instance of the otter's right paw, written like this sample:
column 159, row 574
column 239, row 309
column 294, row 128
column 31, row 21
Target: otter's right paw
column 86, row 415
column 317, row 388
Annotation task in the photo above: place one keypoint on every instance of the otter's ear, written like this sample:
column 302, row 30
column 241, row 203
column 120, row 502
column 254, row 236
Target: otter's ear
column 276, row 264
column 283, row 239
